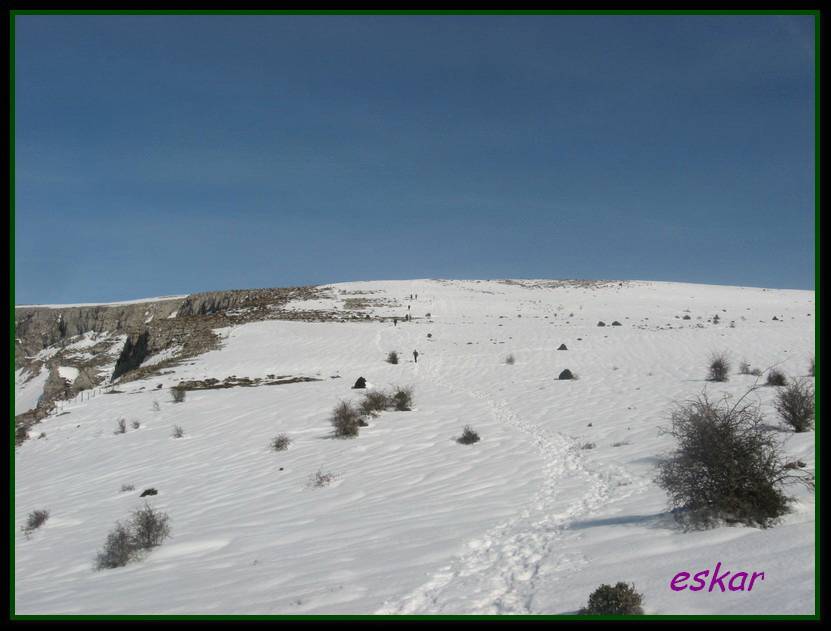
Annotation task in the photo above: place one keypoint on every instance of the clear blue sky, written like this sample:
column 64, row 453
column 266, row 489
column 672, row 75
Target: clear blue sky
column 169, row 154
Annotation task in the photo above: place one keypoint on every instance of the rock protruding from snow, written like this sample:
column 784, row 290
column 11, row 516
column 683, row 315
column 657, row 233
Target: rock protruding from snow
column 359, row 384
column 562, row 347
column 566, row 374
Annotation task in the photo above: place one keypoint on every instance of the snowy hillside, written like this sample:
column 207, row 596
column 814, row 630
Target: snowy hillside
column 524, row 521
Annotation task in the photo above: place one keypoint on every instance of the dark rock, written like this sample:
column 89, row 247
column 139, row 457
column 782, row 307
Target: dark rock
column 149, row 492
column 566, row 374
column 562, row 347
column 616, row 323
column 775, row 318
column 360, row 383
column 601, row 323
column 133, row 353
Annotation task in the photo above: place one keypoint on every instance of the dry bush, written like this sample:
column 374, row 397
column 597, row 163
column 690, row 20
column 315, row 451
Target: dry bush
column 392, row 358
column 178, row 394
column 35, row 520
column 726, row 465
column 346, row 420
column 468, row 437
column 121, row 427
column 402, row 398
column 149, row 527
column 374, row 402
column 178, row 432
column 744, row 368
column 118, row 549
column 776, row 378
column 719, row 367
column 321, row 478
column 795, row 404
column 510, row 360
column 280, row 442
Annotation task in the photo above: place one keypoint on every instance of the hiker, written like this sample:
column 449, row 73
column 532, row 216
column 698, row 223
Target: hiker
column 415, row 356
column 395, row 321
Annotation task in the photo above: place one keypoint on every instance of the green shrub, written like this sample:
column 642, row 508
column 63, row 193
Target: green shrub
column 622, row 599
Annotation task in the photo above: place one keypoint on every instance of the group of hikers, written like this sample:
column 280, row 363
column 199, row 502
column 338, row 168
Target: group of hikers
column 407, row 319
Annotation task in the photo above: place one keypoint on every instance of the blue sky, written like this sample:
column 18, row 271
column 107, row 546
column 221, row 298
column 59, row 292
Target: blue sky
column 161, row 155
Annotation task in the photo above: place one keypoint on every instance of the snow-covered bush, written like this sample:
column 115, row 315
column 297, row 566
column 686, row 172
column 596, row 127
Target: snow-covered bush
column 346, row 420
column 744, row 368
column 136, row 424
column 726, row 465
column 719, row 367
column 617, row 600
column 795, row 404
column 121, row 427
column 392, row 358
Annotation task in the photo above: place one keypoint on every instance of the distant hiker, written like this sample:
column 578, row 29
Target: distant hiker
column 395, row 321
column 408, row 307
column 415, row 356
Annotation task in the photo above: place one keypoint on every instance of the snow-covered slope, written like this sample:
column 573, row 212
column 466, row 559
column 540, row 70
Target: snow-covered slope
column 525, row 521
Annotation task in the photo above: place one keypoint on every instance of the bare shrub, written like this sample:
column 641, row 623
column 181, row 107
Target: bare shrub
column 468, row 437
column 280, row 442
column 726, row 465
column 121, row 427
column 744, row 368
column 178, row 394
column 149, row 527
column 795, row 404
column 719, row 367
column 321, row 478
column 756, row 372
column 776, row 378
column 617, row 600
column 178, row 432
column 127, row 487
column 374, row 402
column 346, row 420
column 402, row 398
column 118, row 550
column 146, row 529
column 392, row 358
column 510, row 360
column 588, row 446
column 35, row 520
